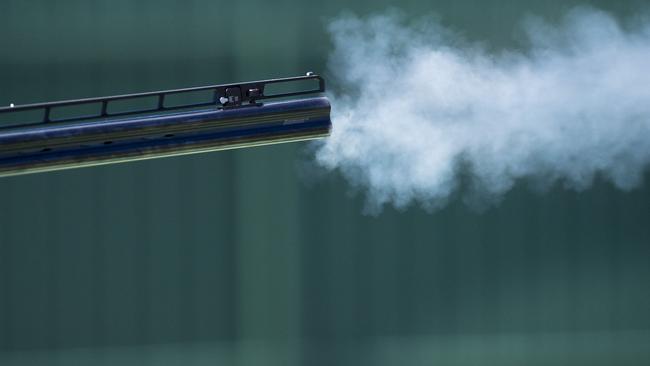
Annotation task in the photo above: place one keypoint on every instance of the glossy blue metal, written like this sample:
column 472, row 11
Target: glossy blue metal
column 60, row 146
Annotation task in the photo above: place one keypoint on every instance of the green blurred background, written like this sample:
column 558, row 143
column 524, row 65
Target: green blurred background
column 257, row 257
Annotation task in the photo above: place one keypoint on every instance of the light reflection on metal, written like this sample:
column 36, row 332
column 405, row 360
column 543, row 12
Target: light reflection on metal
column 233, row 118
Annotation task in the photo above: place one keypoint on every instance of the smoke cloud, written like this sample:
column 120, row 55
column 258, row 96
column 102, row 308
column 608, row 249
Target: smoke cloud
column 424, row 115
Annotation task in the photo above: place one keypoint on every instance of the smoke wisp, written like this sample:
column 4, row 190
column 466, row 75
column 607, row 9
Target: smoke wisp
column 421, row 108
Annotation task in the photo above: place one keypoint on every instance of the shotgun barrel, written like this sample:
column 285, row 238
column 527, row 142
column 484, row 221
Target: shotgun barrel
column 65, row 134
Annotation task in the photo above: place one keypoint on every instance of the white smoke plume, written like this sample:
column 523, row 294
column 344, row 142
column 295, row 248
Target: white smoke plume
column 422, row 108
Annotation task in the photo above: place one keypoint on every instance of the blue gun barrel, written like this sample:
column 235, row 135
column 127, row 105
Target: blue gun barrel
column 233, row 119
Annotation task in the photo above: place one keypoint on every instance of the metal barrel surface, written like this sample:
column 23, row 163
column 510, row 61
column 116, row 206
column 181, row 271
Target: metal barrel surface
column 61, row 146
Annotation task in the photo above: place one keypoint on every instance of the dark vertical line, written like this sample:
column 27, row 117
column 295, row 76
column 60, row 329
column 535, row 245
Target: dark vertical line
column 142, row 254
column 102, row 286
column 145, row 246
column 316, row 238
column 228, row 64
column 564, row 209
column 410, row 274
column 53, row 260
column 98, row 257
column 143, row 236
column 233, row 239
column 458, row 266
column 614, row 262
column 363, row 311
column 56, row 245
column 161, row 101
column 187, row 185
column 449, row 287
column 531, row 260
column 6, row 234
column 187, row 249
column 642, row 246
column 486, row 277
column 500, row 270
column 408, row 268
column 46, row 114
column 497, row 264
column 188, row 240
column 545, row 229
column 298, row 301
column 570, row 245
column 6, row 265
